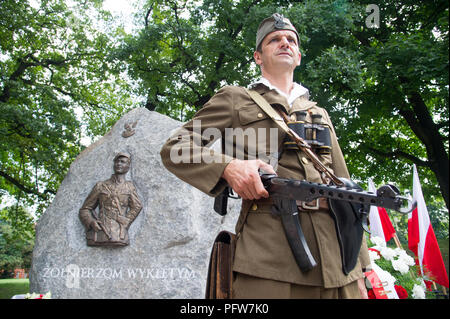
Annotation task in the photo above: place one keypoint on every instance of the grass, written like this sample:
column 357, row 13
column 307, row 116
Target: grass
column 11, row 287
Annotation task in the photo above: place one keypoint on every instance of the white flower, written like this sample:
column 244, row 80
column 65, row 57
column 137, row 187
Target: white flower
column 400, row 266
column 418, row 292
column 387, row 253
column 378, row 241
column 404, row 257
column 34, row 295
column 422, row 283
column 407, row 259
column 48, row 295
column 373, row 255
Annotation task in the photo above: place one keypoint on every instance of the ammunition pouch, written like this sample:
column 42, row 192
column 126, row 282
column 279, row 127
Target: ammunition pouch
column 220, row 270
column 350, row 222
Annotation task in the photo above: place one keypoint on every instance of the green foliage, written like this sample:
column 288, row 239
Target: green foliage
column 385, row 88
column 407, row 279
column 186, row 50
column 57, row 83
column 439, row 220
column 16, row 240
column 62, row 76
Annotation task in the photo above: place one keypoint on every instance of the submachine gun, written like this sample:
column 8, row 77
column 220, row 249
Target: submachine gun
column 348, row 203
column 349, row 206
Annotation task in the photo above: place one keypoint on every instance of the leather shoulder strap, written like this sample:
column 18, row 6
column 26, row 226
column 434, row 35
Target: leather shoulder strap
column 266, row 107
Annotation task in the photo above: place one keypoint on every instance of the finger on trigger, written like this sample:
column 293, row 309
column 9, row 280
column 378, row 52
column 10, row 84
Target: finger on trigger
column 267, row 167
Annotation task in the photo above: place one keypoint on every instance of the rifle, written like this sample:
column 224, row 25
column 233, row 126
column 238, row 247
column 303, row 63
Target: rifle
column 347, row 202
column 387, row 196
column 99, row 223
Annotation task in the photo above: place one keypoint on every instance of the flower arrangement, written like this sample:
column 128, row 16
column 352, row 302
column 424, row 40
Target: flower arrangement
column 397, row 269
column 33, row 295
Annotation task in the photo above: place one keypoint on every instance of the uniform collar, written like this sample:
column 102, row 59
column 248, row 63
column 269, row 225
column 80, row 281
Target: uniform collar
column 115, row 180
column 296, row 92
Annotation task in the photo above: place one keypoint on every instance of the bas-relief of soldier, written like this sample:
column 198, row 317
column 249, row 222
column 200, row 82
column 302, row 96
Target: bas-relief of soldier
column 118, row 206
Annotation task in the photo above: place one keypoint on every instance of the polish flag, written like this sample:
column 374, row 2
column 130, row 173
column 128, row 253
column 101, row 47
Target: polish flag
column 421, row 238
column 380, row 224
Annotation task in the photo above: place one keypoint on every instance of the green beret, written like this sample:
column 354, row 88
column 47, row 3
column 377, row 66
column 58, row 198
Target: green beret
column 275, row 22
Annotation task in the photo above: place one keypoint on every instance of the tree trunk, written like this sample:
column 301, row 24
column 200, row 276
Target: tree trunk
column 419, row 119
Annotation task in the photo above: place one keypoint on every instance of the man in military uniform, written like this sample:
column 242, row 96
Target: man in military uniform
column 264, row 266
column 118, row 204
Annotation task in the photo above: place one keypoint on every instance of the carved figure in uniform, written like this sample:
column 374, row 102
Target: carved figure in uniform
column 118, row 206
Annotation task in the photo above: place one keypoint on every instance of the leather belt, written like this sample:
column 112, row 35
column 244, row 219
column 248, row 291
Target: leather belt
column 264, row 204
column 317, row 204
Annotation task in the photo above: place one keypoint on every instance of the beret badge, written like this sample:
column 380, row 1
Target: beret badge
column 279, row 22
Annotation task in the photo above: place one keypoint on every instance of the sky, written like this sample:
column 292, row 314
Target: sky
column 123, row 10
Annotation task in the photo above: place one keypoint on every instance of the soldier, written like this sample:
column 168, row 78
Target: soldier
column 118, row 206
column 264, row 266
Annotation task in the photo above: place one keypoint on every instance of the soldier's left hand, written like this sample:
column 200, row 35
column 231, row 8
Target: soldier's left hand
column 362, row 288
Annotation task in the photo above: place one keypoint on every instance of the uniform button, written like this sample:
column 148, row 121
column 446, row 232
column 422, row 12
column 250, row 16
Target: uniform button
column 305, row 160
column 260, row 115
column 254, row 207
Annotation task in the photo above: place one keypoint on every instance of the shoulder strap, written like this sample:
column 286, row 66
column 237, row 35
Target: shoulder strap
column 281, row 122
column 266, row 107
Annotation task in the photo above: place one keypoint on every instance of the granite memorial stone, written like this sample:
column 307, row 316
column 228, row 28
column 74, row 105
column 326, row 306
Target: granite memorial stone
column 170, row 239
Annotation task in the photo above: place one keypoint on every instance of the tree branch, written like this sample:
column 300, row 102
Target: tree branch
column 24, row 188
column 147, row 15
column 398, row 154
column 21, row 68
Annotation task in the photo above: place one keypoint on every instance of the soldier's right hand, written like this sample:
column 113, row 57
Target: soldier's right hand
column 243, row 177
column 95, row 226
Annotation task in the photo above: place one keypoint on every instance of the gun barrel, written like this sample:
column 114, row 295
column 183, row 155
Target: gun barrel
column 308, row 191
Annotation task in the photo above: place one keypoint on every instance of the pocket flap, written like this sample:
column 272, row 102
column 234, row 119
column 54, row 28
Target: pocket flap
column 250, row 114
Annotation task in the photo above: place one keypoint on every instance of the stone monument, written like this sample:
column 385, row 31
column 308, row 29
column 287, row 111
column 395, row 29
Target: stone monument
column 168, row 242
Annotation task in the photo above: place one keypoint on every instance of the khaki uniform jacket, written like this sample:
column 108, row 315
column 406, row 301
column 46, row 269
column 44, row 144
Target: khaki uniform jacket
column 262, row 249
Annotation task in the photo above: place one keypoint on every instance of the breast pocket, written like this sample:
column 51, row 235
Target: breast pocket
column 103, row 196
column 251, row 115
column 256, row 136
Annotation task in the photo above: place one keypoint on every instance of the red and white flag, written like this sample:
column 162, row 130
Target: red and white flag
column 422, row 240
column 380, row 224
